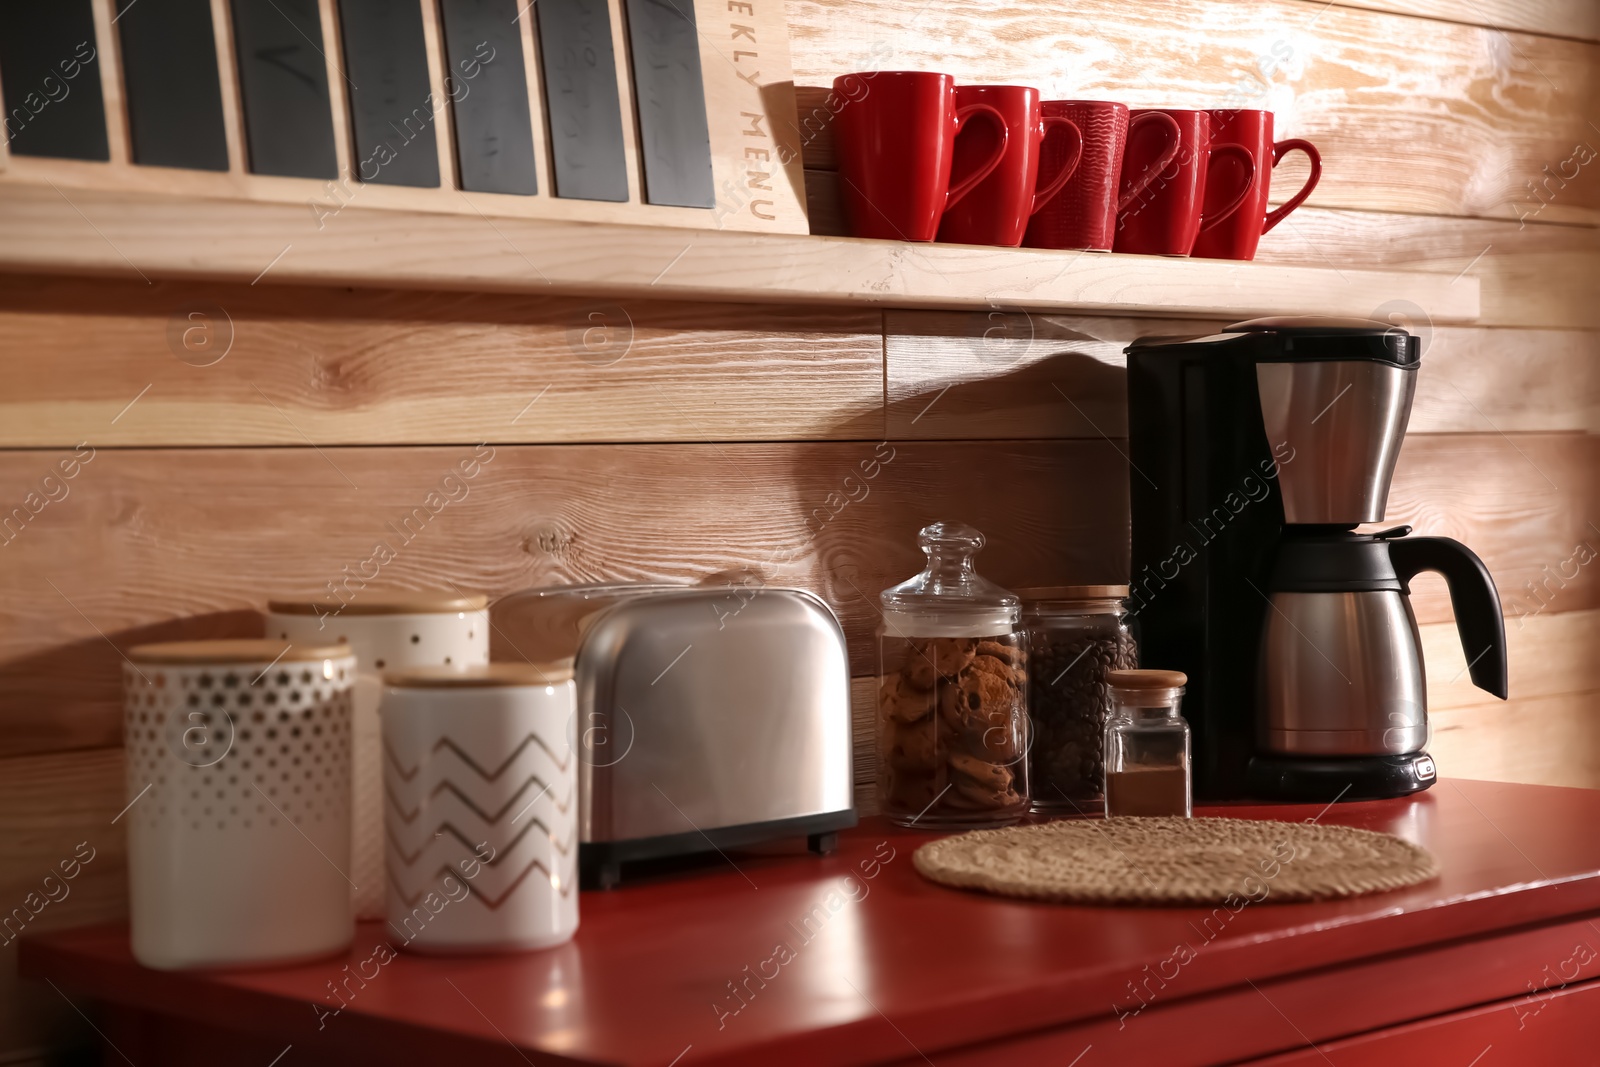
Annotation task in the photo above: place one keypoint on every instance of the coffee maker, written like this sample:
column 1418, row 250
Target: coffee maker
column 1255, row 453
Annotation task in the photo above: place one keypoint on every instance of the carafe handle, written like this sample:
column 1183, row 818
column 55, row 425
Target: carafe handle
column 1473, row 597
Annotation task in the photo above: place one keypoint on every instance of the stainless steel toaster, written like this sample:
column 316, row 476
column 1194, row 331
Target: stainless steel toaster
column 710, row 718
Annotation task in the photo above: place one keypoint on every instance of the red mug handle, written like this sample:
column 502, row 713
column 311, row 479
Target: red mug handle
column 1278, row 152
column 1209, row 220
column 971, row 181
column 1155, row 169
column 1043, row 196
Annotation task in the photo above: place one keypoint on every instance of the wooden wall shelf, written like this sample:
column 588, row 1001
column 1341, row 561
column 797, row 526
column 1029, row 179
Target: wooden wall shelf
column 51, row 229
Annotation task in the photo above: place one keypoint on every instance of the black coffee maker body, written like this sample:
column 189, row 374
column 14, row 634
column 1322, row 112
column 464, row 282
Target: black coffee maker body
column 1255, row 453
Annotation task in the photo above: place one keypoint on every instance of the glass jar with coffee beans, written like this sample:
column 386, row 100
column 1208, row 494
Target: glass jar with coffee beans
column 952, row 692
column 1076, row 635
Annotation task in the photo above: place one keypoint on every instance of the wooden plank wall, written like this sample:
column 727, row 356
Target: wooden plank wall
column 224, row 442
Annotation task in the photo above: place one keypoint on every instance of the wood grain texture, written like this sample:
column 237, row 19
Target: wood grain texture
column 49, row 805
column 123, row 235
column 1542, row 741
column 1460, row 127
column 1526, row 504
column 142, row 545
column 151, row 544
column 1577, row 19
column 336, row 366
column 1552, row 655
column 1532, row 274
column 1015, row 374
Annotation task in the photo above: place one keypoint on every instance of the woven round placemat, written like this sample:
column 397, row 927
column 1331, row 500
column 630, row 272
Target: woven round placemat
column 1175, row 861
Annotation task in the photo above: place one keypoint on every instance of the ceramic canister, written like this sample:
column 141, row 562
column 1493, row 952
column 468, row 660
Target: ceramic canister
column 387, row 631
column 480, row 806
column 238, row 765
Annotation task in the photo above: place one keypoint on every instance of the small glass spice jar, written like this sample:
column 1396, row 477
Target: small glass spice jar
column 952, row 697
column 1147, row 745
column 1076, row 635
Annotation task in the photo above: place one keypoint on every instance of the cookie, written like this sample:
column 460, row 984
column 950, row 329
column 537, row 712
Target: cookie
column 1002, row 741
column 980, row 796
column 976, row 701
column 901, row 702
column 932, row 658
column 913, row 747
column 992, row 777
column 1010, row 655
column 987, row 664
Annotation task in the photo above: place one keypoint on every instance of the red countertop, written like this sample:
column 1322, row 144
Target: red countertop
column 893, row 968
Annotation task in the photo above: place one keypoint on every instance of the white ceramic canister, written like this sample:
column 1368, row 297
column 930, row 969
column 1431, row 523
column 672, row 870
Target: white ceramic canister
column 238, row 775
column 387, row 631
column 481, row 807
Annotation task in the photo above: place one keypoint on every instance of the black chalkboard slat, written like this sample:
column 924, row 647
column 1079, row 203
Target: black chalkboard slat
column 488, row 87
column 581, row 101
column 50, row 78
column 669, row 97
column 392, row 108
column 174, row 93
column 283, row 82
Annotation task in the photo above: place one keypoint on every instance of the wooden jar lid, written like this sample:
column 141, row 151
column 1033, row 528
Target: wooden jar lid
column 1146, row 679
column 235, row 650
column 488, row 676
column 383, row 602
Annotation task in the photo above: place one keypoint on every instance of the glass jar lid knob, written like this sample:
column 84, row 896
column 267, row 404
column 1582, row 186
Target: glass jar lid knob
column 949, row 598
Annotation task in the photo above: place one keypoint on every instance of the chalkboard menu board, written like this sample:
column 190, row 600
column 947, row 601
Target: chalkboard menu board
column 50, row 75
column 283, row 79
column 487, row 82
column 169, row 65
column 671, row 101
column 580, row 94
column 392, row 108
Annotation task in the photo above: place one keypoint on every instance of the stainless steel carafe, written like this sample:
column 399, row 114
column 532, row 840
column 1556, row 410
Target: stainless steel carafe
column 1341, row 659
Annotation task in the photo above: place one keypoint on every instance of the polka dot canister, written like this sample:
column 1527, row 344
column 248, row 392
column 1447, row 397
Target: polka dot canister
column 238, row 778
column 387, row 630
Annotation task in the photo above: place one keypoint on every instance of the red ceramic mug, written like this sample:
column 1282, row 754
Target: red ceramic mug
column 1084, row 214
column 998, row 210
column 896, row 135
column 1237, row 236
column 1167, row 217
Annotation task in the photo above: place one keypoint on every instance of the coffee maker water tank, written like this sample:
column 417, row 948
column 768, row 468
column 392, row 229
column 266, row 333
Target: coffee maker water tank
column 1344, row 421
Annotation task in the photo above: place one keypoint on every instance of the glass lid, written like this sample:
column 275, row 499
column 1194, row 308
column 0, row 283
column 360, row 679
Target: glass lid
column 949, row 598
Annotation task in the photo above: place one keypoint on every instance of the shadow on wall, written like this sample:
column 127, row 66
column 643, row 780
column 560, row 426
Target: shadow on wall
column 1019, row 454
column 81, row 682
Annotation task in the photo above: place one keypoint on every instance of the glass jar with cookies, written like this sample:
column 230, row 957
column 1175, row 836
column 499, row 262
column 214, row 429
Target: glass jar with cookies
column 952, row 692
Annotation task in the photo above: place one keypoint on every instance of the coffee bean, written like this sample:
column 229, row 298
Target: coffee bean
column 1068, row 702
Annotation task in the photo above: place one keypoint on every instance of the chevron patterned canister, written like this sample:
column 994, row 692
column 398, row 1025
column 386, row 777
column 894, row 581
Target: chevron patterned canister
column 480, row 790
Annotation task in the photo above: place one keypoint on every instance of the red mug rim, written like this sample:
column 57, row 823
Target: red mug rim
column 895, row 73
column 1091, row 103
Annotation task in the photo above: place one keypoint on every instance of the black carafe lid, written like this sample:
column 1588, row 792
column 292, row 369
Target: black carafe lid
column 1316, row 560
